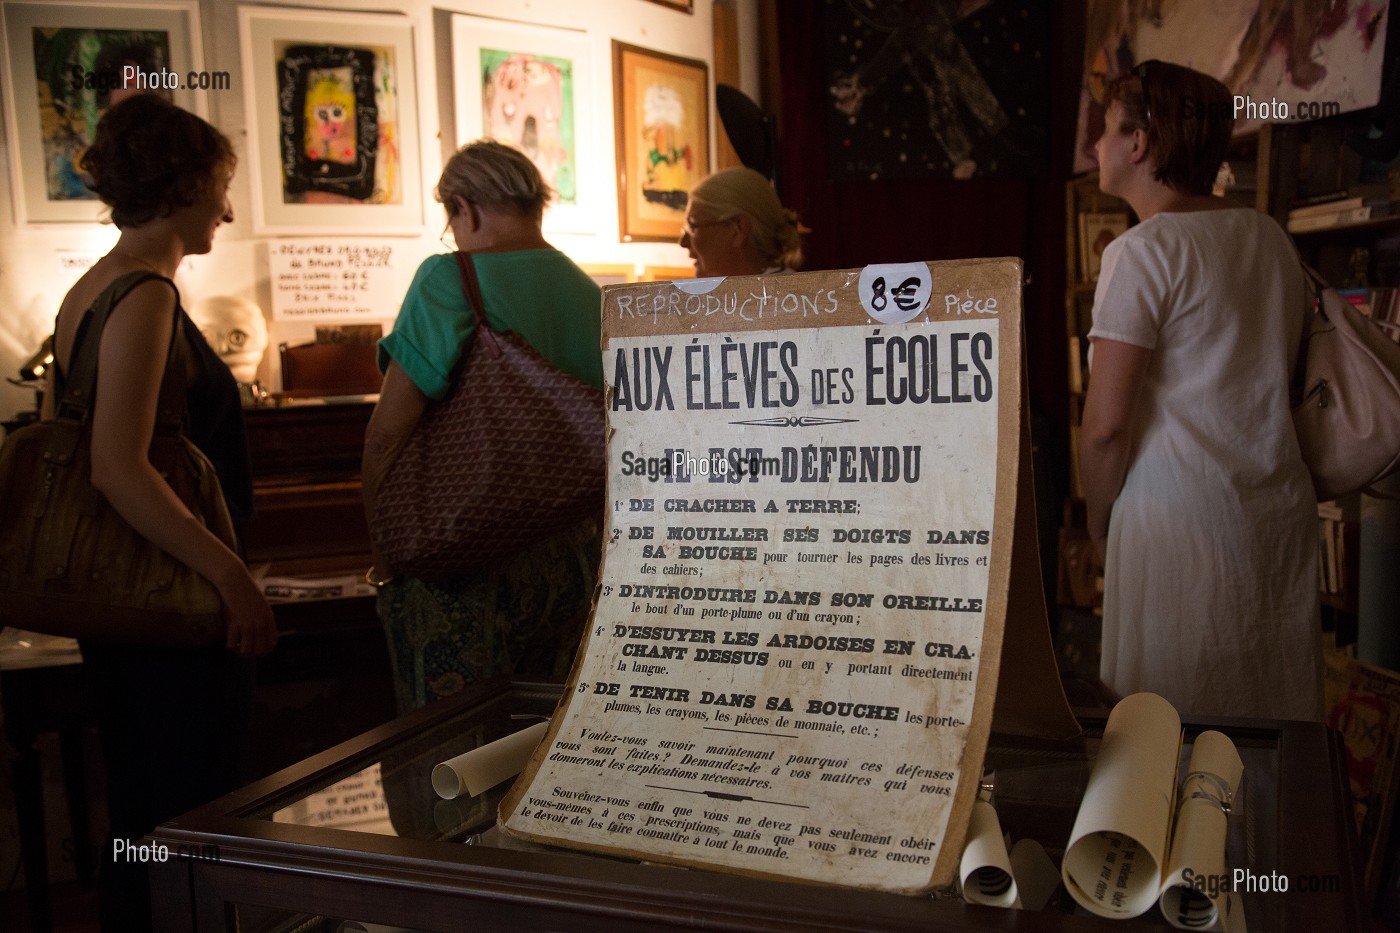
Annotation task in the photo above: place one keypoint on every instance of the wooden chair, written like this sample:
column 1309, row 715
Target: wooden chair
column 327, row 369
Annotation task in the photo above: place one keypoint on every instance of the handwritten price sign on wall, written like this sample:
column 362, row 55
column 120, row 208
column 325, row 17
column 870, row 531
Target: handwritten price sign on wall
column 333, row 281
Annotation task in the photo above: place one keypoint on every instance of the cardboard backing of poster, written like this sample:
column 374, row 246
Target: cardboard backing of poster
column 792, row 660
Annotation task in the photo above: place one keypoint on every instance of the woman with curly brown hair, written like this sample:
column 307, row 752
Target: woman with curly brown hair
column 172, row 720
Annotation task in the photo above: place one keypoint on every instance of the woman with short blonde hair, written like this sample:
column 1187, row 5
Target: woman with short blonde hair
column 523, row 615
column 496, row 176
column 735, row 225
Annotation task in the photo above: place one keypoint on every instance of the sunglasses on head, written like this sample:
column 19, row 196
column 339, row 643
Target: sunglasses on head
column 1141, row 71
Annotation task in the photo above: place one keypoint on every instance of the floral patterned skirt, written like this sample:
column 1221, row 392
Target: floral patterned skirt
column 523, row 618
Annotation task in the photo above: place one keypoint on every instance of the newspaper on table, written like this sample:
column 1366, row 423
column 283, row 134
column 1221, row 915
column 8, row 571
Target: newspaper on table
column 792, row 659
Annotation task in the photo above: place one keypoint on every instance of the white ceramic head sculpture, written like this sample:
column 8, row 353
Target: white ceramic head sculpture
column 237, row 331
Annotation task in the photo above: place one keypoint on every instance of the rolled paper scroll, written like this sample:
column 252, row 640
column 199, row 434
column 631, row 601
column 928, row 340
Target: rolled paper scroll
column 985, row 870
column 1196, row 894
column 481, row 769
column 1113, row 863
column 1035, row 873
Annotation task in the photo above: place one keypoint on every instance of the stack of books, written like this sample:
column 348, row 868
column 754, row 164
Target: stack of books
column 1381, row 304
column 1338, row 209
column 1338, row 540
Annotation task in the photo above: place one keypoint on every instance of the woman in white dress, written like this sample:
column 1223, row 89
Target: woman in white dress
column 1199, row 503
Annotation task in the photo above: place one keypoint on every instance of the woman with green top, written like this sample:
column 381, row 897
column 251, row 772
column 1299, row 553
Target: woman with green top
column 525, row 615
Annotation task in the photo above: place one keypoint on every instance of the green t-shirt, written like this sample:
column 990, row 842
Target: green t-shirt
column 539, row 294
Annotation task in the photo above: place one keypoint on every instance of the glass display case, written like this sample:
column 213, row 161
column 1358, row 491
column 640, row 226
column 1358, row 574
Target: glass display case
column 356, row 836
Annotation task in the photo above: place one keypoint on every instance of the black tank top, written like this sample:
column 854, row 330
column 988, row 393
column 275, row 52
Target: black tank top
column 213, row 413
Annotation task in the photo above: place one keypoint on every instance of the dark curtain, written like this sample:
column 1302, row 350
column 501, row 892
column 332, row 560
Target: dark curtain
column 858, row 222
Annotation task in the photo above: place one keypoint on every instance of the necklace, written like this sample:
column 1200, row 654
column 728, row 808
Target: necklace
column 138, row 260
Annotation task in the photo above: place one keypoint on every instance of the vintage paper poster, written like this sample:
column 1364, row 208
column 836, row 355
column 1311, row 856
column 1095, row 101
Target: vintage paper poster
column 793, row 656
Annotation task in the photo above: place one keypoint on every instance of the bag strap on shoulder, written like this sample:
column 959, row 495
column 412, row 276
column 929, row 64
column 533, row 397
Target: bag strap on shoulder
column 466, row 266
column 80, row 385
column 1313, row 287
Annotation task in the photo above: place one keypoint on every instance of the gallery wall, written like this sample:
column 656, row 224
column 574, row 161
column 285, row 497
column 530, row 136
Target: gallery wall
column 39, row 261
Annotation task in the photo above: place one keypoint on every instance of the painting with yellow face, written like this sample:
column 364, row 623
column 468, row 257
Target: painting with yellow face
column 339, row 133
column 330, row 116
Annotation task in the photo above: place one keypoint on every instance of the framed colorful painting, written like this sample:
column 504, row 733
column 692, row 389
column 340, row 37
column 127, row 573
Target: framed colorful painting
column 662, row 119
column 530, row 87
column 332, row 122
column 65, row 64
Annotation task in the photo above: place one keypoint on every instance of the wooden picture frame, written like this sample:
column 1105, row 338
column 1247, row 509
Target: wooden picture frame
column 610, row 273
column 1096, row 231
column 332, row 122
column 52, row 116
column 658, row 159
column 539, row 82
column 666, row 273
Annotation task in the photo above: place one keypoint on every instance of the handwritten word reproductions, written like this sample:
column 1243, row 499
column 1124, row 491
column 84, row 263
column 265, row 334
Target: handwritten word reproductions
column 754, row 306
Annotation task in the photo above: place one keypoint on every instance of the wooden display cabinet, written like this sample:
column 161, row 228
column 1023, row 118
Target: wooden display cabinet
column 254, row 861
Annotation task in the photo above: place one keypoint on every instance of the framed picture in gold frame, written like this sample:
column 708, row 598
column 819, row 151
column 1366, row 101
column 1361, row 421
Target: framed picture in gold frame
column 662, row 119
column 666, row 273
column 610, row 273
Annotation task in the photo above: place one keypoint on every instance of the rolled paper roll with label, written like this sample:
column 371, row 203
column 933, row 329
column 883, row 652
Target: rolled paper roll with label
column 481, row 769
column 1113, row 863
column 985, row 871
column 1196, row 893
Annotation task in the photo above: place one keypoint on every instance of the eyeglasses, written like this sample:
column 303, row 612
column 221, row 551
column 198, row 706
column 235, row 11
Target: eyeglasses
column 1141, row 71
column 689, row 228
column 448, row 239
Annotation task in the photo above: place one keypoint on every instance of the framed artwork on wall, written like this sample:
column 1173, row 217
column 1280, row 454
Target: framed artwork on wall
column 1328, row 56
column 610, row 273
column 530, row 87
column 666, row 273
column 65, row 64
column 332, row 122
column 685, row 6
column 662, row 120
column 1096, row 231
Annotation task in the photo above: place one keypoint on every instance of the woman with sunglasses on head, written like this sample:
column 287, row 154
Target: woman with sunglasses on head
column 735, row 225
column 1199, row 502
column 172, row 721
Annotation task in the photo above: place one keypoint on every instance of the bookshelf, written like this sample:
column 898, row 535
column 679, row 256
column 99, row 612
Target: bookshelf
column 1275, row 169
column 1250, row 177
column 1092, row 219
column 1323, row 181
